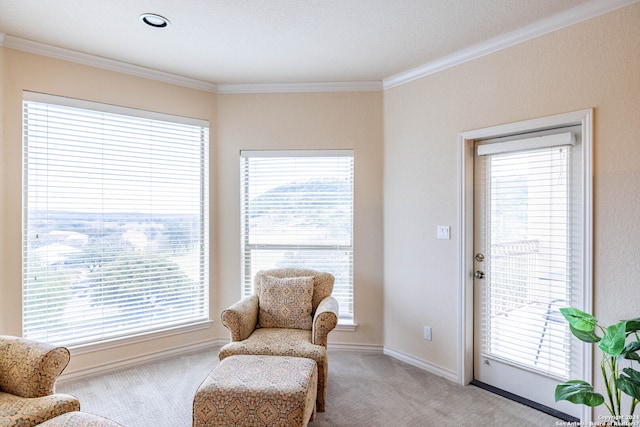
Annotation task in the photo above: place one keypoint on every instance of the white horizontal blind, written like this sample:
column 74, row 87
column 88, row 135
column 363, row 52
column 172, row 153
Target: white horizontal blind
column 115, row 238
column 297, row 211
column 529, row 269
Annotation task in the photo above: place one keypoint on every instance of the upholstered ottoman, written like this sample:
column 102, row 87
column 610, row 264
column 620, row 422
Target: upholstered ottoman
column 79, row 419
column 257, row 391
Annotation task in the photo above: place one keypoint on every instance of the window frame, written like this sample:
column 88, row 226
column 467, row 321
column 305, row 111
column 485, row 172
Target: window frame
column 347, row 315
column 181, row 324
column 466, row 141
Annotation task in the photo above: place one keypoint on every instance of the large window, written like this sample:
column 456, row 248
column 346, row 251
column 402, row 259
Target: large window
column 115, row 213
column 297, row 211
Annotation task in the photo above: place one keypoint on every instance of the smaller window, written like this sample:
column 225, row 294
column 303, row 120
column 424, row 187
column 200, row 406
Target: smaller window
column 297, row 211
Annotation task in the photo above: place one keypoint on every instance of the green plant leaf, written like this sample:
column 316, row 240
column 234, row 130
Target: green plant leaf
column 633, row 325
column 632, row 373
column 580, row 320
column 579, row 392
column 613, row 341
column 631, row 351
column 585, row 336
column 629, row 383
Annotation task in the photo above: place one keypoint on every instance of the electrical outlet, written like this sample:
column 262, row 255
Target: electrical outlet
column 427, row 333
column 444, row 232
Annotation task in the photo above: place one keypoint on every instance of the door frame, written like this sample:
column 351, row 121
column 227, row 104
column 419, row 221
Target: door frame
column 466, row 140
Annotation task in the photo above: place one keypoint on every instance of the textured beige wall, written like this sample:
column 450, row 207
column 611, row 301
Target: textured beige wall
column 308, row 121
column 24, row 71
column 3, row 295
column 320, row 120
column 595, row 64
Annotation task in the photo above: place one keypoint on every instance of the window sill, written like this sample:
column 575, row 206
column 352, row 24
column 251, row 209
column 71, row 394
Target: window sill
column 346, row 326
column 146, row 336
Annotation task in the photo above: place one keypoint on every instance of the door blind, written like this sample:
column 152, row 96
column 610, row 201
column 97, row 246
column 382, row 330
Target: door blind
column 297, row 211
column 115, row 238
column 529, row 273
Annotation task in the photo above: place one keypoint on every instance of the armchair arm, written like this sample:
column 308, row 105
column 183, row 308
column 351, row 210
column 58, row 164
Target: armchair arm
column 241, row 318
column 35, row 366
column 325, row 320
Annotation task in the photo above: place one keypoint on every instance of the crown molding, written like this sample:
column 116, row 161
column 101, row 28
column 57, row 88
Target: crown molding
column 104, row 63
column 366, row 86
column 564, row 19
column 148, row 73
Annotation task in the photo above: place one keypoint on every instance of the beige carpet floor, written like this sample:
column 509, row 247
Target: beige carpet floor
column 365, row 389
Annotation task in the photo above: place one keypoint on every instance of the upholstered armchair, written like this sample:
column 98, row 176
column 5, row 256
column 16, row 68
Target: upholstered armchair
column 28, row 372
column 290, row 314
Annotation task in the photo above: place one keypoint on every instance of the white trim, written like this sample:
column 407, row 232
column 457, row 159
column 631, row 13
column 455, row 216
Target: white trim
column 553, row 23
column 419, row 363
column 365, row 348
column 541, row 123
column 43, row 49
column 465, row 254
column 366, row 86
column 105, row 64
column 547, row 141
column 348, row 326
column 139, row 360
column 465, row 265
column 111, row 109
column 297, row 153
column 142, row 337
column 587, row 221
column 564, row 19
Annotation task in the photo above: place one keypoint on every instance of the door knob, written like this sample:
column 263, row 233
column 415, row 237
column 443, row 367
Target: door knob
column 479, row 274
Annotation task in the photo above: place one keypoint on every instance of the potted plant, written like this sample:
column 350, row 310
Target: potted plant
column 619, row 343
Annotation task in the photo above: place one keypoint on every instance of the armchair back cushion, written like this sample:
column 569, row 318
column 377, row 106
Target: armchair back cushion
column 285, row 302
column 322, row 282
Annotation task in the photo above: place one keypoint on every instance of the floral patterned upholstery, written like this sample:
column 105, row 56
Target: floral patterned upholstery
column 28, row 372
column 247, row 338
column 79, row 419
column 257, row 391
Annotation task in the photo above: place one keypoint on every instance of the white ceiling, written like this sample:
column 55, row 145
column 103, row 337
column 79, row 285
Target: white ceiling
column 234, row 42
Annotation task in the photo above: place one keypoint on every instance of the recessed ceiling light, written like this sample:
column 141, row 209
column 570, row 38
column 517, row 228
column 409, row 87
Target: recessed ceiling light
column 154, row 20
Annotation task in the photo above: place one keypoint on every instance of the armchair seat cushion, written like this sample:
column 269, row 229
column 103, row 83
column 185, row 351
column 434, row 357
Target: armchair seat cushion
column 276, row 342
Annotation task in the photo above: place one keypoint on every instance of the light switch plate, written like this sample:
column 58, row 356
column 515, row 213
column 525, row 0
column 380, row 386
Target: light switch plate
column 427, row 333
column 444, row 232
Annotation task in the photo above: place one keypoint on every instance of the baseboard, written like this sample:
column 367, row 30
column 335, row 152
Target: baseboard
column 366, row 348
column 425, row 366
column 139, row 360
